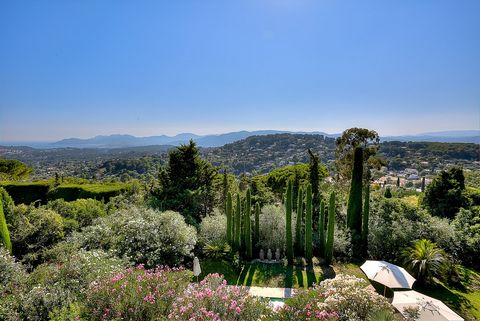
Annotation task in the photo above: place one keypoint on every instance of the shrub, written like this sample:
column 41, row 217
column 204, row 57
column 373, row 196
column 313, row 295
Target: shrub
column 84, row 211
column 135, row 294
column 272, row 228
column 213, row 229
column 342, row 298
column 212, row 299
column 467, row 234
column 424, row 260
column 33, row 230
column 393, row 224
column 55, row 286
column 12, row 284
column 142, row 235
column 4, row 234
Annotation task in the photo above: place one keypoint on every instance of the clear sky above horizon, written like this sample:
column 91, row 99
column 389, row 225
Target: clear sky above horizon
column 83, row 68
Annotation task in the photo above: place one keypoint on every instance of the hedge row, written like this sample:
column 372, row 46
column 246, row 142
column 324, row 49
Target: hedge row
column 43, row 191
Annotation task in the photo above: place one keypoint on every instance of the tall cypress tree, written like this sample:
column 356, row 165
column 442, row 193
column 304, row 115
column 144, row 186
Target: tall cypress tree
column 330, row 229
column 248, row 228
column 298, row 226
column 238, row 225
column 315, row 182
column 423, row 184
column 229, row 209
column 288, row 223
column 366, row 213
column 257, row 224
column 225, row 189
column 354, row 209
column 308, row 225
column 321, row 230
column 4, row 235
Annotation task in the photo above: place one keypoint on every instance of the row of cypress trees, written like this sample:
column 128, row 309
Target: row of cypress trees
column 305, row 244
column 357, row 219
column 239, row 229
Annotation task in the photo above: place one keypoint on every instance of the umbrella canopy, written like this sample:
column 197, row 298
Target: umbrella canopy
column 196, row 267
column 430, row 309
column 388, row 274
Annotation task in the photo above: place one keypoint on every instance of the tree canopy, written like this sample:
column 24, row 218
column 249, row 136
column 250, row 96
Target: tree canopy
column 12, row 169
column 186, row 183
column 445, row 195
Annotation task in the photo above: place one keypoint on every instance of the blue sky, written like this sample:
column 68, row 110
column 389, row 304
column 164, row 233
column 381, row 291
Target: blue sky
column 89, row 67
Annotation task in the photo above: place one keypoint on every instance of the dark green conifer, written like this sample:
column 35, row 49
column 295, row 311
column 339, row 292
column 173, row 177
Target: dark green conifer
column 308, row 225
column 238, row 224
column 366, row 213
column 330, row 229
column 229, row 209
column 321, row 230
column 288, row 223
column 257, row 224
column 354, row 209
column 299, row 224
column 248, row 227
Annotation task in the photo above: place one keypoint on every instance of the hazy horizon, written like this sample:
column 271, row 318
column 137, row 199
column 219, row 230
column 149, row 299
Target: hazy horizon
column 87, row 68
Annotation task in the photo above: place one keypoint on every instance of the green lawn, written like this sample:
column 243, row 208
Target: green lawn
column 465, row 298
column 278, row 274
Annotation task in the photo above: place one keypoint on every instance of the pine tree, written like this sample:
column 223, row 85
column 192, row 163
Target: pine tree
column 288, row 224
column 298, row 226
column 330, row 229
column 237, row 224
column 366, row 213
column 321, row 230
column 248, row 228
column 4, row 235
column 257, row 224
column 308, row 226
column 354, row 209
column 229, row 213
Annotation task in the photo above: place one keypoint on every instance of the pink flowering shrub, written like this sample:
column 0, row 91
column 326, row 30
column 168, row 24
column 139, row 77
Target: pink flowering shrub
column 135, row 294
column 342, row 298
column 212, row 299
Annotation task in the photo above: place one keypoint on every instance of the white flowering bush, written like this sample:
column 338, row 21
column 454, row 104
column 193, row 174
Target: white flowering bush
column 213, row 299
column 343, row 298
column 144, row 236
column 12, row 283
column 57, row 285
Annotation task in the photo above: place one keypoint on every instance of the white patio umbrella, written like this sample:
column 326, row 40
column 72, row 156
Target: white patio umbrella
column 430, row 309
column 388, row 274
column 196, row 267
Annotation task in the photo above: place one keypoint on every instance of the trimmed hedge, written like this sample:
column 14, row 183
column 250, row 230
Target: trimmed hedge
column 27, row 192
column 72, row 192
column 43, row 191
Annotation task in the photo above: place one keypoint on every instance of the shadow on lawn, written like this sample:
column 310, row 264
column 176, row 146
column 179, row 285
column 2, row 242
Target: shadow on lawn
column 438, row 291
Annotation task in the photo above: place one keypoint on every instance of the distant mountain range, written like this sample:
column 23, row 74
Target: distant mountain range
column 120, row 141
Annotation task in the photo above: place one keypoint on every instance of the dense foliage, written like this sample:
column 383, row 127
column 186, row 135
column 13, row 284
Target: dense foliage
column 142, row 235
